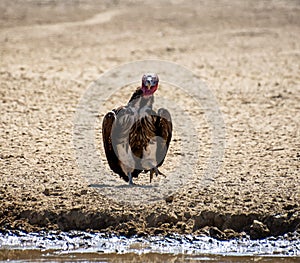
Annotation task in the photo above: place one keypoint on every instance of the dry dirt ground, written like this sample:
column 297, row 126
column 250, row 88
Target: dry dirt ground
column 247, row 52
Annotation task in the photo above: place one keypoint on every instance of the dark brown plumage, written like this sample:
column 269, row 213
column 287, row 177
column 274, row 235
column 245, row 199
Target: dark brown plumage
column 135, row 137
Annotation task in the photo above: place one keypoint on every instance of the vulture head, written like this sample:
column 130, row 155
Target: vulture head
column 149, row 84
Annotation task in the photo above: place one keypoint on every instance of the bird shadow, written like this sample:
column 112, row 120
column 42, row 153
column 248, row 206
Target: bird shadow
column 122, row 186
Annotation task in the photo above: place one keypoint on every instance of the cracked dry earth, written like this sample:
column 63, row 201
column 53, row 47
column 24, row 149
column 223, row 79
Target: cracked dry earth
column 248, row 54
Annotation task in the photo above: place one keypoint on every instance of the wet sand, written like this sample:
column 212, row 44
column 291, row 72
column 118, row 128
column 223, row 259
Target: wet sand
column 247, row 52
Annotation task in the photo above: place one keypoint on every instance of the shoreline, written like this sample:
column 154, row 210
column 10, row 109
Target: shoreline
column 127, row 221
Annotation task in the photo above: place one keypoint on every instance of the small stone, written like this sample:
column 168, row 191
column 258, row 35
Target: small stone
column 46, row 192
column 187, row 215
column 83, row 192
column 216, row 233
column 230, row 233
column 170, row 49
column 258, row 230
column 169, row 199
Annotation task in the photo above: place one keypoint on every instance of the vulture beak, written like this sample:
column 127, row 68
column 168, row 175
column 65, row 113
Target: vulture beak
column 148, row 85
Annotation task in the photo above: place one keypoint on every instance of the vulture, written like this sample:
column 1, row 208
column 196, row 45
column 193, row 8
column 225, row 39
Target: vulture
column 135, row 137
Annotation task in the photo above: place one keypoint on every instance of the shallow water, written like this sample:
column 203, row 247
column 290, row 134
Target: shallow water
column 88, row 247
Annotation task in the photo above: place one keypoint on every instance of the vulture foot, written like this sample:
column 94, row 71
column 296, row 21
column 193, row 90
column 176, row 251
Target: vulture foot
column 156, row 172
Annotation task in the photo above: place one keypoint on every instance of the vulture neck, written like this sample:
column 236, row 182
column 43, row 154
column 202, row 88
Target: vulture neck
column 139, row 103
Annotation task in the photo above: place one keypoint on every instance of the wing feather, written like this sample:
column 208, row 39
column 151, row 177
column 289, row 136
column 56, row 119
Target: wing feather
column 164, row 131
column 111, row 156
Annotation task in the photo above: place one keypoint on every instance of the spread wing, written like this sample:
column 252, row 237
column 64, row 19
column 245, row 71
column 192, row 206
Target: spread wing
column 164, row 133
column 111, row 156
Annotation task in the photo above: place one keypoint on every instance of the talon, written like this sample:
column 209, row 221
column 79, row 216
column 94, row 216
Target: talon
column 156, row 171
column 159, row 172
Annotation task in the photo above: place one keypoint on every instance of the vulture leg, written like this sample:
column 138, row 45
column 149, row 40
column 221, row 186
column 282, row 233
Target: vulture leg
column 155, row 171
column 130, row 178
column 151, row 175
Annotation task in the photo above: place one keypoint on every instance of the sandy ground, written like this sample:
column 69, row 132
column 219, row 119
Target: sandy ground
column 247, row 52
